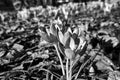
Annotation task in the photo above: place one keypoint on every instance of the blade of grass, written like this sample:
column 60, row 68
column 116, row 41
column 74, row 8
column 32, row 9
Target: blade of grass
column 83, row 65
column 56, row 75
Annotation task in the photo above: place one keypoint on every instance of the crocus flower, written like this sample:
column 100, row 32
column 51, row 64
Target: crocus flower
column 72, row 42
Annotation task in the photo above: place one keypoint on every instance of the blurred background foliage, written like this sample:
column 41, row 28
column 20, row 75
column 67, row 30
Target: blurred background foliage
column 24, row 55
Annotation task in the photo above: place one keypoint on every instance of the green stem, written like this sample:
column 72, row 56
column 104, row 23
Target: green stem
column 70, row 76
column 62, row 66
column 67, row 73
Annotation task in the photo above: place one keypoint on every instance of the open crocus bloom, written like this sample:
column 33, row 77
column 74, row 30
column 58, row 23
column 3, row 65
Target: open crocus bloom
column 72, row 43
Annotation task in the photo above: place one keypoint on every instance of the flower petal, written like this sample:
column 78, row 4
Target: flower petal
column 72, row 44
column 60, row 35
column 69, row 30
column 66, row 37
column 80, row 43
column 53, row 30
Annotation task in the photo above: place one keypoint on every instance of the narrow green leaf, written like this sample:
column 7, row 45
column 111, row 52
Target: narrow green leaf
column 61, row 48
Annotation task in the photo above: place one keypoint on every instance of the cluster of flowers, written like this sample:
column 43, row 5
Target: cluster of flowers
column 66, row 27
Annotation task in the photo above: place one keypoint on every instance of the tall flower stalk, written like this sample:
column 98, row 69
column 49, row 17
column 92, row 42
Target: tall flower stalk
column 61, row 62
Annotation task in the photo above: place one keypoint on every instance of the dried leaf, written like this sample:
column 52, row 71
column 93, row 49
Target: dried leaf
column 115, row 41
column 103, row 67
column 18, row 67
column 115, row 75
column 5, row 61
column 45, row 56
column 103, row 32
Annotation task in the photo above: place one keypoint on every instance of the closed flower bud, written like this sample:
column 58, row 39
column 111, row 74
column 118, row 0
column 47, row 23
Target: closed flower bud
column 69, row 53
